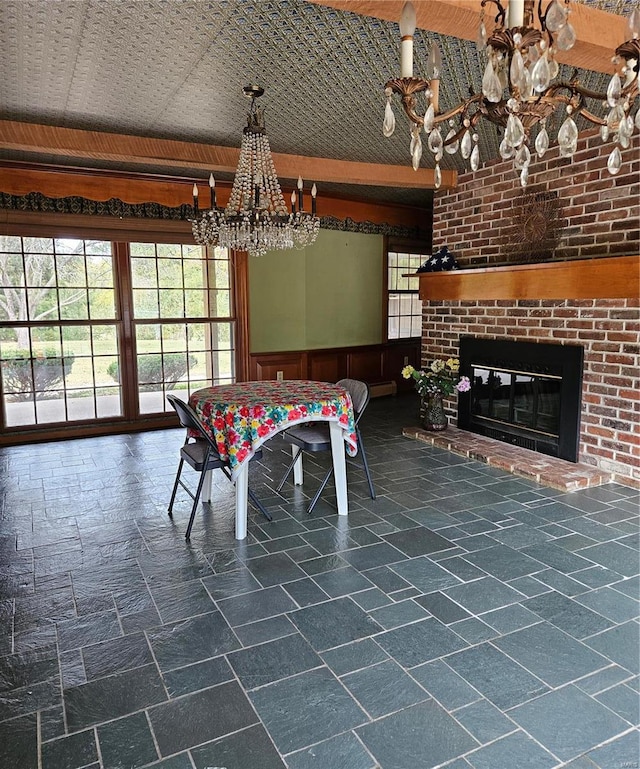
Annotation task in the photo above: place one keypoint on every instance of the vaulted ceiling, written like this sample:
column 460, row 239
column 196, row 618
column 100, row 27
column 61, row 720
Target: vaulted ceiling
column 174, row 70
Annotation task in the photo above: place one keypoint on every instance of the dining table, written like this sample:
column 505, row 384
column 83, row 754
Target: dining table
column 240, row 417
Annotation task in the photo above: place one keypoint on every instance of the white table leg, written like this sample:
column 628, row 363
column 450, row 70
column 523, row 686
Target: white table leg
column 298, row 476
column 206, row 486
column 339, row 467
column 242, row 486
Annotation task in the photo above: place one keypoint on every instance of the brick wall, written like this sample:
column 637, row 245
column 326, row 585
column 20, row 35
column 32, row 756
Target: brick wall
column 600, row 214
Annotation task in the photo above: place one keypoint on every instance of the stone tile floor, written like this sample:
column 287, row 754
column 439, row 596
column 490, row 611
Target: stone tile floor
column 466, row 618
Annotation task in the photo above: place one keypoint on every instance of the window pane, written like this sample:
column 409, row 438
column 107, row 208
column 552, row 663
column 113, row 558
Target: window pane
column 101, row 304
column 145, row 303
column 73, row 303
column 169, row 273
column 100, row 271
column 143, row 273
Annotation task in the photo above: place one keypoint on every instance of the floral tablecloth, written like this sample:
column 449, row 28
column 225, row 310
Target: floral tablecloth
column 241, row 417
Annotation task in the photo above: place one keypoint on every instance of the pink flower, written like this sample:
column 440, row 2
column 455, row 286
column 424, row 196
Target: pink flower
column 464, row 385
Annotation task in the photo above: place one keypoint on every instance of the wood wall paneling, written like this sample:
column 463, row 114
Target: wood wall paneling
column 367, row 364
column 371, row 363
column 327, row 366
column 292, row 366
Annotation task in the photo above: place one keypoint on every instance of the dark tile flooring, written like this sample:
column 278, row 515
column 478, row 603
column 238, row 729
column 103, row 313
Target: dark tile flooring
column 465, row 618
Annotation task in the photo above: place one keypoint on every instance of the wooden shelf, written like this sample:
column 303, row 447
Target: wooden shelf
column 603, row 278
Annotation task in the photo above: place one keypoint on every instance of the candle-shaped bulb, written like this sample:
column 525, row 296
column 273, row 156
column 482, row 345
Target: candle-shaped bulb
column 212, row 181
column 434, row 62
column 195, row 191
column 293, row 202
column 212, row 187
column 300, row 185
column 407, row 20
column 314, row 192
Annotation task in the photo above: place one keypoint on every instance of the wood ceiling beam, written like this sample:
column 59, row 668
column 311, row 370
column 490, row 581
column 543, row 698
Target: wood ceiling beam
column 167, row 153
column 598, row 33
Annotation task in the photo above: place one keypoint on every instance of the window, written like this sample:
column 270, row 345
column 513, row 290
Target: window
column 404, row 309
column 93, row 330
column 181, row 309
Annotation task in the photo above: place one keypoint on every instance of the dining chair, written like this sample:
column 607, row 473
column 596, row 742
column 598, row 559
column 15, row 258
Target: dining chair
column 314, row 436
column 202, row 455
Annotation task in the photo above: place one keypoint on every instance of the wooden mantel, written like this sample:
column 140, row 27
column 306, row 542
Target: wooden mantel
column 604, row 278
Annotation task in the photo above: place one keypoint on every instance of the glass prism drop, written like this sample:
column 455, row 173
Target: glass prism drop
column 614, row 117
column 516, row 70
column 542, row 142
column 452, row 147
column 556, row 17
column 437, row 177
column 434, row 141
column 614, row 164
column 416, row 153
column 566, row 38
column 481, row 39
column 614, row 90
column 540, row 75
column 491, row 87
column 506, row 150
column 522, row 157
column 567, row 135
column 604, row 132
column 429, row 117
column 475, row 158
column 637, row 120
column 524, row 176
column 634, row 23
column 514, row 132
column 466, row 145
column 389, row 123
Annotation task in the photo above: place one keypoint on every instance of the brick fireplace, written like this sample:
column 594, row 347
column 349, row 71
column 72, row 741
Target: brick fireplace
column 598, row 217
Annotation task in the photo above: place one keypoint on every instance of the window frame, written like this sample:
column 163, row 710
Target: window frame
column 120, row 233
column 419, row 248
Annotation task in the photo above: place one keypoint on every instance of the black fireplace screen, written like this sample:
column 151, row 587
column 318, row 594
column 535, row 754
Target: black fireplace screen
column 523, row 393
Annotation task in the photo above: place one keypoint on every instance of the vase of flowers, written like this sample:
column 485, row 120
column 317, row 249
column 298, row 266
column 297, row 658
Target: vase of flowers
column 441, row 378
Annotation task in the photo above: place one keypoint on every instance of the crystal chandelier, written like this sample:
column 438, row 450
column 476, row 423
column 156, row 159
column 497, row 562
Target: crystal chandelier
column 519, row 92
column 256, row 218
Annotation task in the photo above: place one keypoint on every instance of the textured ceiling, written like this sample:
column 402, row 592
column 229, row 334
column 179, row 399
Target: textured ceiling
column 175, row 68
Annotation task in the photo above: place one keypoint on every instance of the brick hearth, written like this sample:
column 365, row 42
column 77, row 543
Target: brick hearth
column 549, row 471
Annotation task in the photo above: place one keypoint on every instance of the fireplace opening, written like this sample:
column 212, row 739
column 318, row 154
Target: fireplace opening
column 523, row 393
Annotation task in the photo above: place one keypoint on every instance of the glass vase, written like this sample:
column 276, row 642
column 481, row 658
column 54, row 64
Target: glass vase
column 433, row 413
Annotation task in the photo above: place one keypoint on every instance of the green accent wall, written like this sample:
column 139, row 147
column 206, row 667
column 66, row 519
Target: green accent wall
column 327, row 295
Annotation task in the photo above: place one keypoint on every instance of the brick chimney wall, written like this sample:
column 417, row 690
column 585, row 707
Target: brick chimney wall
column 599, row 217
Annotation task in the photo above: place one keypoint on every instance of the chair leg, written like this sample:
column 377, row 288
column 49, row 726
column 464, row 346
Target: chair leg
column 175, row 486
column 366, row 464
column 320, row 490
column 196, row 497
column 289, row 469
column 257, row 503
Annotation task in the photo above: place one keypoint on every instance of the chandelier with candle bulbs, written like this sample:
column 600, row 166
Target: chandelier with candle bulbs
column 256, row 218
column 519, row 89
